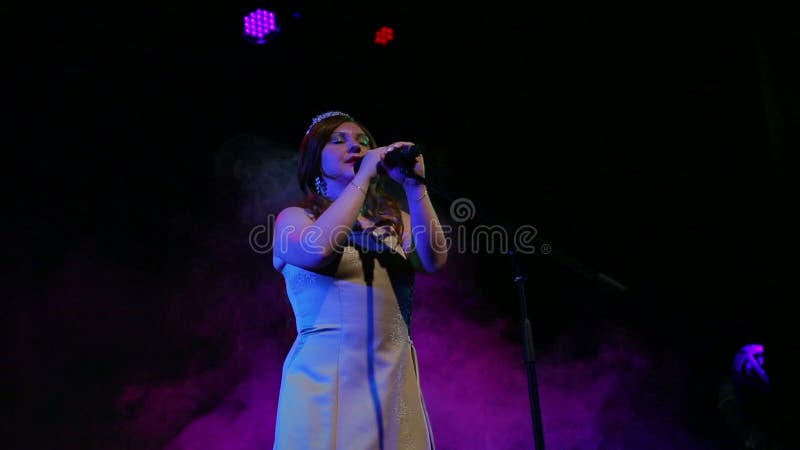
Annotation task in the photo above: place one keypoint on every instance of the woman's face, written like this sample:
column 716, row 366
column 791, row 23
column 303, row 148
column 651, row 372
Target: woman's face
column 347, row 144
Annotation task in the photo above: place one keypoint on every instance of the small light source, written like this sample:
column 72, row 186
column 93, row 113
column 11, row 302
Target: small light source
column 384, row 35
column 748, row 364
column 260, row 26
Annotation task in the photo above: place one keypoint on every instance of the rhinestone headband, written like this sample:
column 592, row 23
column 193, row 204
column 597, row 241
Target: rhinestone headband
column 325, row 115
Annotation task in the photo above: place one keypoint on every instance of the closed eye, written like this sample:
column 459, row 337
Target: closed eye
column 341, row 138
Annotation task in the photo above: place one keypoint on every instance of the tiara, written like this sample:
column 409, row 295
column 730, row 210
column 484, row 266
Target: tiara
column 325, row 115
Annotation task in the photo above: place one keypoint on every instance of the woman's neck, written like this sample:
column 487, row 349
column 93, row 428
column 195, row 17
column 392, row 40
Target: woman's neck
column 335, row 187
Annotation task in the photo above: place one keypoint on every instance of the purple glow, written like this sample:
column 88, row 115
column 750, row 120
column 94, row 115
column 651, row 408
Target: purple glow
column 259, row 24
column 220, row 325
column 748, row 363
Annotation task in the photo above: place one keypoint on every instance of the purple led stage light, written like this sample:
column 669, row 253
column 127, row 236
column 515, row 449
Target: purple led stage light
column 260, row 26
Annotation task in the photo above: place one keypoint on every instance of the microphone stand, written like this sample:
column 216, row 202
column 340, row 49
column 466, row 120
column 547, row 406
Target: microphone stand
column 519, row 278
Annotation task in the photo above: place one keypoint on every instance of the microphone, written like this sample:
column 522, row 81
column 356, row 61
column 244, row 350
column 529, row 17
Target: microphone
column 405, row 158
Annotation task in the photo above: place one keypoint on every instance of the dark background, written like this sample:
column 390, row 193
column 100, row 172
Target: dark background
column 653, row 142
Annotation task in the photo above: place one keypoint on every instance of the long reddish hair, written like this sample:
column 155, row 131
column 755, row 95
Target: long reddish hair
column 380, row 207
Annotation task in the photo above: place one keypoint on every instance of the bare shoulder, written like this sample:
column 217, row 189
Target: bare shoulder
column 406, row 218
column 293, row 215
column 409, row 246
column 406, row 238
column 289, row 220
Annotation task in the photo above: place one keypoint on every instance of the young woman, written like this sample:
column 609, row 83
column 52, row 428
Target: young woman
column 348, row 255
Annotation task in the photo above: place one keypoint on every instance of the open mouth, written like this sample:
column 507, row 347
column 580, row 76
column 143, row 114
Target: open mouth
column 352, row 159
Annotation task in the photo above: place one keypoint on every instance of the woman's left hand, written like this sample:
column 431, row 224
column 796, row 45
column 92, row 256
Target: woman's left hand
column 396, row 173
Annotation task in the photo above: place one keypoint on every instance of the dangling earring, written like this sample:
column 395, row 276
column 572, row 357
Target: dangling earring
column 321, row 186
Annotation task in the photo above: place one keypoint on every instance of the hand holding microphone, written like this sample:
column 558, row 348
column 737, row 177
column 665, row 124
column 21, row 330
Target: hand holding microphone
column 402, row 157
column 401, row 161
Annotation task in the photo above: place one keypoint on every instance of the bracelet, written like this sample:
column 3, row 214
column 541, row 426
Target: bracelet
column 359, row 188
column 422, row 196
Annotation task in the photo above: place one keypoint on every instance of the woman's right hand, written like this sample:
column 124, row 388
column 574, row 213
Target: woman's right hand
column 371, row 161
